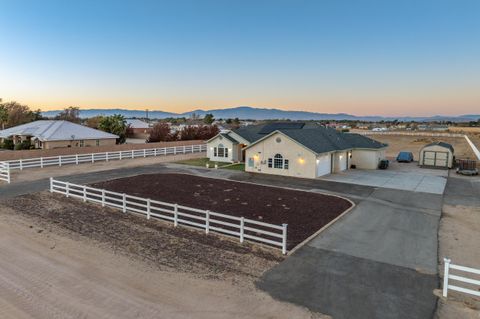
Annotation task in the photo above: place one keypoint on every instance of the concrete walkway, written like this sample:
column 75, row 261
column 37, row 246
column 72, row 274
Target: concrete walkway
column 379, row 261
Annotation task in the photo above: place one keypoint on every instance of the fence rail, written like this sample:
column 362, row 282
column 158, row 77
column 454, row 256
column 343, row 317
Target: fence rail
column 239, row 227
column 447, row 276
column 5, row 171
column 411, row 134
column 7, row 166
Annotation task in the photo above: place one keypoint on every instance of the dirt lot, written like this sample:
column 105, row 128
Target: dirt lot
column 11, row 155
column 59, row 259
column 304, row 212
column 397, row 143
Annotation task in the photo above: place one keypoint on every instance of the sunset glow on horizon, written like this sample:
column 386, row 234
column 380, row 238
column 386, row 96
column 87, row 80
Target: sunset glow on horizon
column 404, row 58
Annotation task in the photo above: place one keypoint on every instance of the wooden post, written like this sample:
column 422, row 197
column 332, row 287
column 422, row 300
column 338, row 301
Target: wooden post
column 242, row 230
column 445, row 276
column 93, row 158
column 51, row 184
column 67, row 189
column 175, row 215
column 103, row 198
column 284, row 239
column 207, row 221
column 59, row 161
column 148, row 208
column 154, row 152
column 41, row 162
column 106, row 156
column 144, row 153
column 124, row 203
column 84, row 193
column 21, row 164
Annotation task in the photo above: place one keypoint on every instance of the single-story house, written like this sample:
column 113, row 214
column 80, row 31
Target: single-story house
column 138, row 128
column 437, row 154
column 295, row 149
column 49, row 134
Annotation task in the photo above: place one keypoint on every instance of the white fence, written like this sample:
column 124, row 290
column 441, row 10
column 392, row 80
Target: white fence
column 239, row 227
column 411, row 134
column 447, row 276
column 96, row 157
column 474, row 148
column 5, row 172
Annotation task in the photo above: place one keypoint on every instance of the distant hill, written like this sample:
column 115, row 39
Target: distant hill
column 246, row 112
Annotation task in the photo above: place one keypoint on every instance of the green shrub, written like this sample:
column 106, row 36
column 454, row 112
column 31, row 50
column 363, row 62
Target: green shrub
column 7, row 144
column 24, row 145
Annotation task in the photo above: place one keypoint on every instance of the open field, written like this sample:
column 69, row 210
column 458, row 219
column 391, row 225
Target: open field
column 304, row 212
column 397, row 143
column 466, row 130
column 59, row 259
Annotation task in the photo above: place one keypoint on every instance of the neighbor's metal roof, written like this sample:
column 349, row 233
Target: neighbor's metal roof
column 53, row 130
column 134, row 123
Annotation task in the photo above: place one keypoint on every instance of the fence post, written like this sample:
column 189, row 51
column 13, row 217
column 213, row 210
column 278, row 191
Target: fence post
column 154, row 152
column 242, row 230
column 51, row 184
column 93, row 158
column 8, row 171
column 284, row 239
column 184, row 149
column 103, row 198
column 67, row 189
column 76, row 159
column 175, row 215
column 148, row 208
column 41, row 162
column 124, row 197
column 106, row 156
column 446, row 261
column 132, row 153
column 59, row 161
column 144, row 153
column 207, row 221
column 21, row 164
column 120, row 157
column 84, row 193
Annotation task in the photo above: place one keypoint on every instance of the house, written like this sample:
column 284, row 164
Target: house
column 49, row 134
column 295, row 149
column 138, row 128
column 437, row 154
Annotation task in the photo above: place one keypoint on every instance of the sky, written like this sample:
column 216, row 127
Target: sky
column 359, row 57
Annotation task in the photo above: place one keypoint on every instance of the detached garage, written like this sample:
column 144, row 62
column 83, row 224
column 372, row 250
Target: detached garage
column 437, row 154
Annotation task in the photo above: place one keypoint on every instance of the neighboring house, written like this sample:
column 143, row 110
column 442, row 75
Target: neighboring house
column 138, row 128
column 48, row 134
column 296, row 149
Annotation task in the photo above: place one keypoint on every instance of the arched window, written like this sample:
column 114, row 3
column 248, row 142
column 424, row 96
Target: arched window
column 278, row 162
column 220, row 151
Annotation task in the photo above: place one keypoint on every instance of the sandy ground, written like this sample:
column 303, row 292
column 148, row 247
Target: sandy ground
column 48, row 271
column 53, row 171
column 397, row 143
column 459, row 240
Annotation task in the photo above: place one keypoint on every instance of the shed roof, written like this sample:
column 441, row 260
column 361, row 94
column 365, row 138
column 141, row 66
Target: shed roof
column 54, row 130
column 441, row 144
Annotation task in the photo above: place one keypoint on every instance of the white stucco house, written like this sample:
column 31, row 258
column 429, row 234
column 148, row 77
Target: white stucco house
column 296, row 149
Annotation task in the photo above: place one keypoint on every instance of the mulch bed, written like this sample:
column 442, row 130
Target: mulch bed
column 304, row 212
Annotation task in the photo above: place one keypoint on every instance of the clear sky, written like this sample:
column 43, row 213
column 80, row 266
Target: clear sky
column 385, row 57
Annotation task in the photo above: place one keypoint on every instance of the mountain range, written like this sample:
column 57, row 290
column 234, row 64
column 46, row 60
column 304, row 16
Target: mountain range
column 246, row 112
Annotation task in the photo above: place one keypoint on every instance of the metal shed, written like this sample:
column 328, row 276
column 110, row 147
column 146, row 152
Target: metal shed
column 437, row 154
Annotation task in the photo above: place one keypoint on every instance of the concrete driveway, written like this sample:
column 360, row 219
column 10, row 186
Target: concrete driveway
column 404, row 176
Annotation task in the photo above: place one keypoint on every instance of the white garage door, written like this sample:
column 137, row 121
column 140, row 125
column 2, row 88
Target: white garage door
column 439, row 159
column 324, row 165
column 342, row 161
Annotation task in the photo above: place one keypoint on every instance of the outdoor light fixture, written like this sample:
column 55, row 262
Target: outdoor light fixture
column 301, row 160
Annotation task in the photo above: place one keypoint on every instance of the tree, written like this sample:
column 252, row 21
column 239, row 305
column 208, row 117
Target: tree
column 161, row 133
column 94, row 122
column 71, row 114
column 18, row 114
column 114, row 124
column 208, row 119
column 201, row 132
column 3, row 115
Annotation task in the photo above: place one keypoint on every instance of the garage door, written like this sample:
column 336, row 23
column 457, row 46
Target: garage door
column 439, row 159
column 342, row 161
column 324, row 165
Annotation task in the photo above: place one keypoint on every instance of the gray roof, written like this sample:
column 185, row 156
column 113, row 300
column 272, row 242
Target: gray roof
column 442, row 144
column 253, row 133
column 134, row 123
column 317, row 138
column 228, row 137
column 53, row 130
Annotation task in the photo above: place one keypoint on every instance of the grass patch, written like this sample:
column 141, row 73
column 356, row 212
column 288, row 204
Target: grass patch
column 235, row 167
column 202, row 162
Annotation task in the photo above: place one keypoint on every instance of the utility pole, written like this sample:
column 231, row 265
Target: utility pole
column 146, row 113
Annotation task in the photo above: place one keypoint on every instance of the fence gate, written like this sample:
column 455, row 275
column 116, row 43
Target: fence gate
column 5, row 172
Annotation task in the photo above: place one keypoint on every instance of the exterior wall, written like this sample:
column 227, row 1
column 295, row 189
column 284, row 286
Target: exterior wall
column 140, row 132
column 302, row 162
column 436, row 148
column 232, row 150
column 340, row 161
column 76, row 143
column 367, row 159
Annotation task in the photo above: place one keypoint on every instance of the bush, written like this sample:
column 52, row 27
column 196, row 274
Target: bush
column 203, row 132
column 161, row 133
column 7, row 144
column 24, row 145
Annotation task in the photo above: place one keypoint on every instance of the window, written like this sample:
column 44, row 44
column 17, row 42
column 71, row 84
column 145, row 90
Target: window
column 278, row 162
column 215, row 151
column 220, row 151
column 97, row 142
column 82, row 143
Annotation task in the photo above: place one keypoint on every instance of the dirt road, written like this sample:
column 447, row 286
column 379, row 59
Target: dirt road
column 44, row 274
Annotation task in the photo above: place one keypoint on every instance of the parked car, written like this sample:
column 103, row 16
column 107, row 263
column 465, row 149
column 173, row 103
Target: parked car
column 405, row 157
column 383, row 164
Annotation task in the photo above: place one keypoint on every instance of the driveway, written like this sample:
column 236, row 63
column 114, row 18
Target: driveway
column 404, row 176
column 378, row 261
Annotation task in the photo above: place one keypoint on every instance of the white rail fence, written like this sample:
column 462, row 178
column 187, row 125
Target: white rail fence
column 474, row 148
column 411, row 134
column 239, row 227
column 95, row 157
column 5, row 172
column 447, row 276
